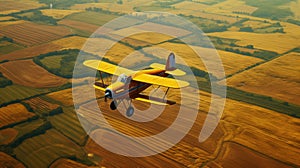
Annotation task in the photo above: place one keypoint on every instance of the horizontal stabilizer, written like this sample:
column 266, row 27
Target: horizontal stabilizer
column 176, row 72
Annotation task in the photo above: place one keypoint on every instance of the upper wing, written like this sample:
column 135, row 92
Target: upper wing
column 107, row 67
column 162, row 81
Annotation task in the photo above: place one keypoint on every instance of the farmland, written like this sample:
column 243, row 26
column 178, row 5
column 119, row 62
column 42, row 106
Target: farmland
column 58, row 14
column 23, row 34
column 9, row 161
column 14, row 113
column 7, row 47
column 12, row 6
column 283, row 82
column 68, row 124
column 42, row 107
column 42, row 150
column 79, row 25
column 268, row 42
column 16, row 92
column 30, row 74
column 91, row 17
column 231, row 62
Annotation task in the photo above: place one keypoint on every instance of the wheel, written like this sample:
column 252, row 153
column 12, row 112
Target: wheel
column 113, row 105
column 130, row 111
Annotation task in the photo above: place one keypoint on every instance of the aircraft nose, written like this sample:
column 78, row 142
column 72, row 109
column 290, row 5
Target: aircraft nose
column 108, row 93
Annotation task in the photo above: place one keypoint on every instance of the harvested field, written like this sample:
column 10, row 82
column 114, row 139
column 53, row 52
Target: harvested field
column 278, row 78
column 57, row 13
column 232, row 62
column 276, row 42
column 27, row 73
column 237, row 118
column 233, row 152
column 74, row 42
column 113, row 7
column 65, row 96
column 158, row 28
column 231, row 6
column 210, row 16
column 12, row 6
column 8, row 23
column 6, row 18
column 14, row 113
column 7, row 136
column 41, row 106
column 67, row 163
column 79, row 25
column 42, row 150
column 30, row 34
column 188, row 5
column 31, row 51
column 295, row 9
column 9, row 161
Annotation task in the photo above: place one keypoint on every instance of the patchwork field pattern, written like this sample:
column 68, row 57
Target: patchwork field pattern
column 30, row 34
column 42, row 150
column 278, row 78
column 232, row 62
column 14, row 113
column 12, row 6
column 30, row 74
column 58, row 14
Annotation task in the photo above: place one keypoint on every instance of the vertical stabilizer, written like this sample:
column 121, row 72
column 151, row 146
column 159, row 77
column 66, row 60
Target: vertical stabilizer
column 170, row 65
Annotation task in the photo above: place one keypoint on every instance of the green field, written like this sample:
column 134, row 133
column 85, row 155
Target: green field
column 52, row 62
column 7, row 47
column 92, row 17
column 68, row 124
column 17, row 92
column 42, row 150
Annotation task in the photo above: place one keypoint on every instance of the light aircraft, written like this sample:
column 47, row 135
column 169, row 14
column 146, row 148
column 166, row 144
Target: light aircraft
column 130, row 84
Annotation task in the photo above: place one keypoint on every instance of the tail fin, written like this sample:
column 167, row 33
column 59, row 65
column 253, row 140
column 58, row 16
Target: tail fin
column 170, row 65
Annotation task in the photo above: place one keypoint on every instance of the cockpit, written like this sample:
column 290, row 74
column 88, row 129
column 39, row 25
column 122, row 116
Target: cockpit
column 124, row 79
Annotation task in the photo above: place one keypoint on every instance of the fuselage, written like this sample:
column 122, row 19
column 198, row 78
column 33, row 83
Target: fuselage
column 127, row 88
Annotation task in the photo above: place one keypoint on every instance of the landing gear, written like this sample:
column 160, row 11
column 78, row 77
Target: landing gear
column 113, row 105
column 129, row 111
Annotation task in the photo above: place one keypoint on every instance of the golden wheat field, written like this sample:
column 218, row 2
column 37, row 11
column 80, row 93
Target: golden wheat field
column 231, row 6
column 74, row 42
column 9, row 161
column 295, row 5
column 57, row 13
column 231, row 62
column 14, row 113
column 276, row 42
column 13, row 6
column 30, row 74
column 188, row 5
column 105, row 6
column 278, row 78
column 31, row 52
column 220, row 149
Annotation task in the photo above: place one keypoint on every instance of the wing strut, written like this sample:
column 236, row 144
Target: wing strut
column 166, row 93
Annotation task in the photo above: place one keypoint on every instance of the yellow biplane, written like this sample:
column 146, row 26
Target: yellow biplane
column 130, row 84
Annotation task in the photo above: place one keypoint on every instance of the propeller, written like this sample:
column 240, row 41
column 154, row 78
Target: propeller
column 107, row 94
